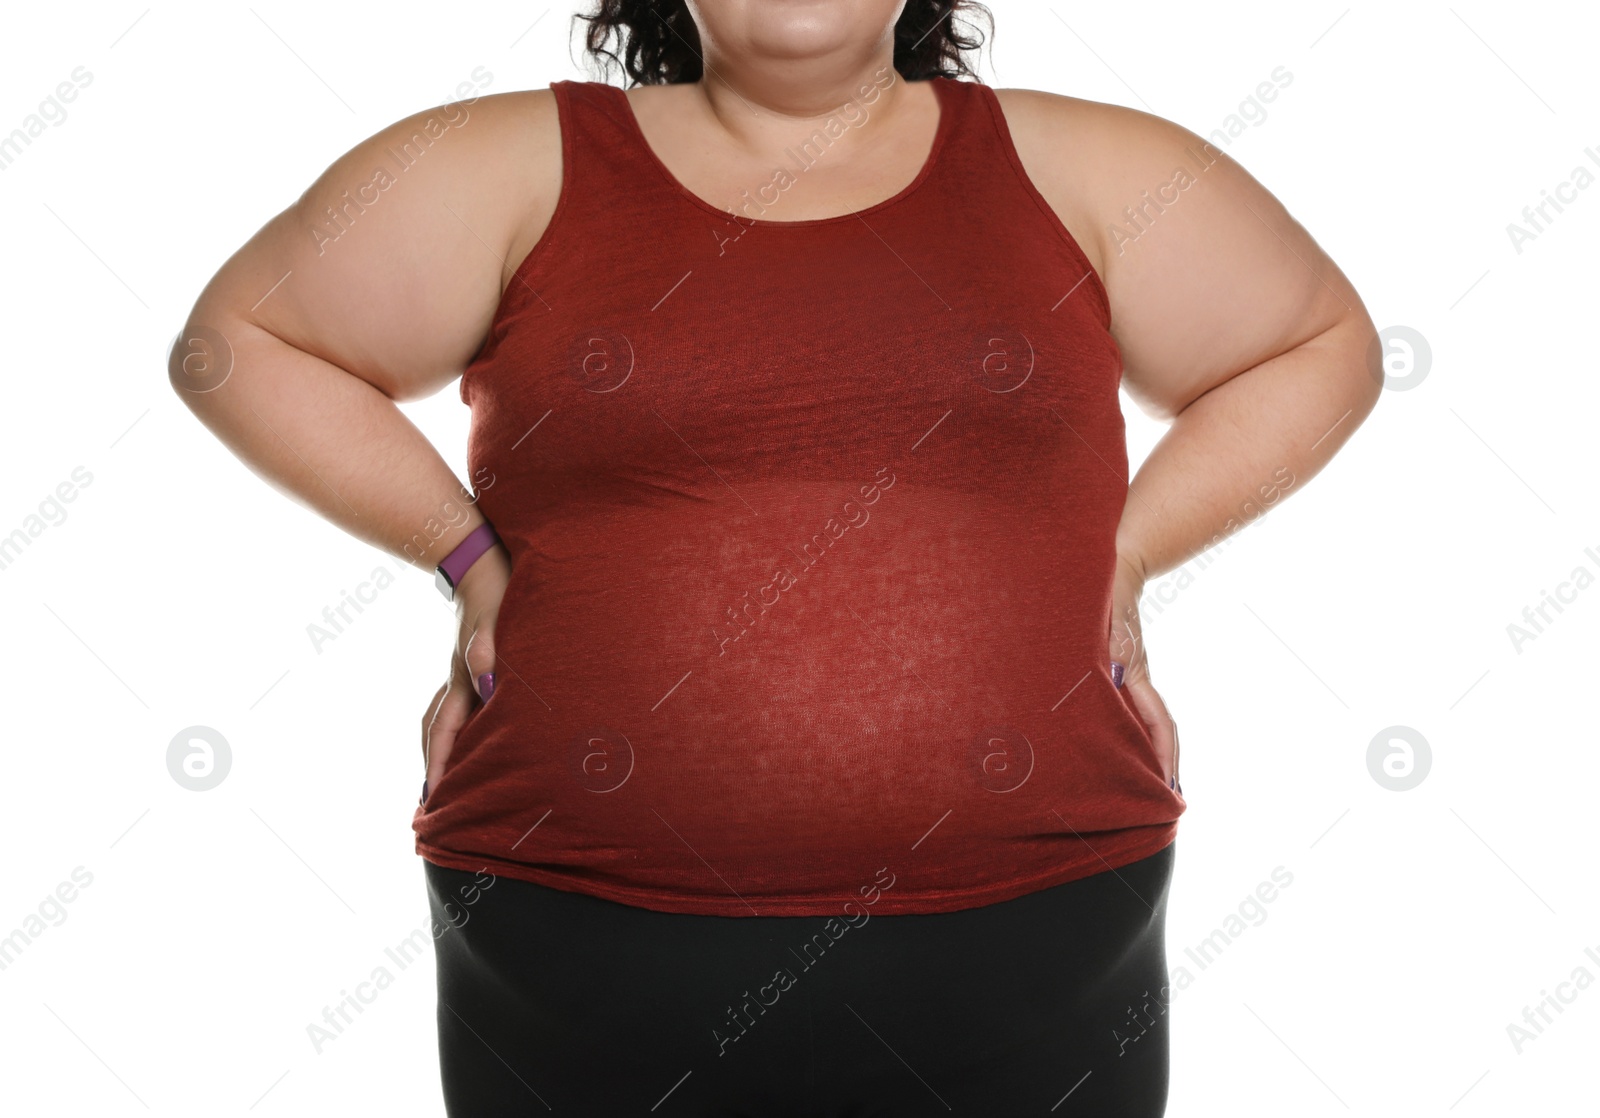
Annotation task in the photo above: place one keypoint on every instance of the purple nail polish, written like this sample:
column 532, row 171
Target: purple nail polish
column 1172, row 782
column 424, row 798
column 486, row 685
column 1116, row 674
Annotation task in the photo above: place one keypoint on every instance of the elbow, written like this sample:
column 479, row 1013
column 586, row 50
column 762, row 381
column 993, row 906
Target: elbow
column 1351, row 358
column 1397, row 357
column 201, row 358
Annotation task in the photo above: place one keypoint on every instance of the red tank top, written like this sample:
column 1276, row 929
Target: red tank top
column 812, row 533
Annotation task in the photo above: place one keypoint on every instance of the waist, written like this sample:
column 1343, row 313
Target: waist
column 695, row 708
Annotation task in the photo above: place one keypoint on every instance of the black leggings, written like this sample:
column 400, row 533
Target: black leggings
column 558, row 1002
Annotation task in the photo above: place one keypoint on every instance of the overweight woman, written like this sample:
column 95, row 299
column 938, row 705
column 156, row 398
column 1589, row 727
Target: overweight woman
column 799, row 754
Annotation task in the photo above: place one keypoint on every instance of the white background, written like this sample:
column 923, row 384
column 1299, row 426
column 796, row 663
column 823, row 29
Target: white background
column 178, row 589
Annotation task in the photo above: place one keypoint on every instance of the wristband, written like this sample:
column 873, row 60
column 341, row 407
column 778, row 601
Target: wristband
column 447, row 575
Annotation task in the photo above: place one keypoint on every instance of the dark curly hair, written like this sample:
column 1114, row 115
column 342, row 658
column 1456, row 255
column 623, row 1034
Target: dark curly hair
column 660, row 44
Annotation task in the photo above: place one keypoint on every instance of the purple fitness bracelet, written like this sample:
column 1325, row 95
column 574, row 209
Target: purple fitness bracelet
column 447, row 575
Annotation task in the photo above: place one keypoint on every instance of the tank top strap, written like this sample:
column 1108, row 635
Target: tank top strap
column 977, row 144
column 600, row 148
column 981, row 166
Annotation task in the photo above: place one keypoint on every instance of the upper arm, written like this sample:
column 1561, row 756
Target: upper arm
column 1208, row 274
column 392, row 263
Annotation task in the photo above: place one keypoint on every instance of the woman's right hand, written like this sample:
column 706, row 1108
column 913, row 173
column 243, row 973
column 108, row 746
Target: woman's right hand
column 471, row 679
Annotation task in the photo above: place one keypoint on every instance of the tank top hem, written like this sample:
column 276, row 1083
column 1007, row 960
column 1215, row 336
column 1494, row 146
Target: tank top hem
column 1110, row 852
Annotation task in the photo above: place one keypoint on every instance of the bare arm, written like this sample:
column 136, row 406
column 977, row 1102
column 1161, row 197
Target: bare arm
column 298, row 349
column 1235, row 325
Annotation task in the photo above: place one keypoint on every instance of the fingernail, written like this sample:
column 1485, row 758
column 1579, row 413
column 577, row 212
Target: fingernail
column 485, row 686
column 1116, row 674
column 424, row 792
column 1172, row 782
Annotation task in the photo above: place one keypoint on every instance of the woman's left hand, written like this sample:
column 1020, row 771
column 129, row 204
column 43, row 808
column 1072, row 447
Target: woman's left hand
column 1127, row 652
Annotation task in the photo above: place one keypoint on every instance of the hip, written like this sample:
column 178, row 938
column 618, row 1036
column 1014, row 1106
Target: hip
column 998, row 1009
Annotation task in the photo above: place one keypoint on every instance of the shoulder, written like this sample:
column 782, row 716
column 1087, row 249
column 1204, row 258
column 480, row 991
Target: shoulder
column 511, row 136
column 401, row 248
column 529, row 112
column 1189, row 245
column 494, row 161
column 1091, row 160
column 508, row 156
column 1096, row 127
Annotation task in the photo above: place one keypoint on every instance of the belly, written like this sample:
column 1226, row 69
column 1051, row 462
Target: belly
column 778, row 696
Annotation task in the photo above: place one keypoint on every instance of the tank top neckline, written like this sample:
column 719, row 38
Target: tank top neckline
column 943, row 95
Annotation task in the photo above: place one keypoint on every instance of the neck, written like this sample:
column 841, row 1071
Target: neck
column 763, row 108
